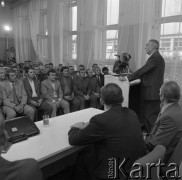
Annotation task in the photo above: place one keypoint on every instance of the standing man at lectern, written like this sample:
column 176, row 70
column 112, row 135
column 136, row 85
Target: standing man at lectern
column 152, row 75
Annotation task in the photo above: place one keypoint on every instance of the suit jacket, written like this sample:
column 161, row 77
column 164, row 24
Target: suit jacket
column 21, row 94
column 94, row 85
column 115, row 134
column 101, row 81
column 48, row 91
column 20, row 170
column 81, row 86
column 70, row 84
column 1, row 95
column 152, row 75
column 167, row 130
column 28, row 89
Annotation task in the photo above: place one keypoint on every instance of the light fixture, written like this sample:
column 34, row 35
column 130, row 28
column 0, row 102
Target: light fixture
column 2, row 3
column 7, row 28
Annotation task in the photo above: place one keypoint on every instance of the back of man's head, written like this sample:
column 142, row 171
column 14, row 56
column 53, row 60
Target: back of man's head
column 171, row 91
column 111, row 94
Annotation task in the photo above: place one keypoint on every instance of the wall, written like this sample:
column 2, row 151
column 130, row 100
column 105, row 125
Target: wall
column 5, row 19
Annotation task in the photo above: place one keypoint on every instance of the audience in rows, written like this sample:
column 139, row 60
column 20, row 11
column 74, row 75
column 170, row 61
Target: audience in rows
column 36, row 89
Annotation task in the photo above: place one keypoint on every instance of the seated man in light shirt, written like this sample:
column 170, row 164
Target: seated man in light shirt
column 32, row 88
column 52, row 93
column 15, row 98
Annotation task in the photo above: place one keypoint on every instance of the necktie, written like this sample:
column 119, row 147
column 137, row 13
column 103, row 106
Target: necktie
column 14, row 95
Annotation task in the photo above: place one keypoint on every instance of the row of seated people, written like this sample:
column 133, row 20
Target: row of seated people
column 26, row 96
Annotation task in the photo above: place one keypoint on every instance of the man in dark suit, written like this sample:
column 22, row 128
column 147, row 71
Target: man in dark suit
column 114, row 134
column 99, row 76
column 34, row 99
column 18, row 170
column 167, row 129
column 152, row 75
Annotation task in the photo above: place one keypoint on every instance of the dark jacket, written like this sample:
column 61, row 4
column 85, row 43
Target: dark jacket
column 115, row 134
column 167, row 130
column 19, row 170
column 152, row 75
column 28, row 89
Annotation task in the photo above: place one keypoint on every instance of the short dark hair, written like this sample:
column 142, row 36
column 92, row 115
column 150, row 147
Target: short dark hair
column 112, row 94
column 50, row 63
column 155, row 43
column 171, row 91
column 51, row 71
column 94, row 64
column 105, row 69
column 64, row 67
column 10, row 71
column 27, row 70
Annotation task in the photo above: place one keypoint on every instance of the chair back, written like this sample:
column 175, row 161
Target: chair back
column 176, row 156
column 153, row 157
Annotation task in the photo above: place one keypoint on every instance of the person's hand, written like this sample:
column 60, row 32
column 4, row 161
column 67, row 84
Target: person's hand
column 86, row 97
column 79, row 125
column 69, row 98
column 96, row 94
column 39, row 102
column 34, row 103
column 19, row 108
column 122, row 78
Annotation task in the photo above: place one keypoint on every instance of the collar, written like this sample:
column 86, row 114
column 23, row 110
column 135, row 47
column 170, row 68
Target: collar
column 166, row 107
column 151, row 54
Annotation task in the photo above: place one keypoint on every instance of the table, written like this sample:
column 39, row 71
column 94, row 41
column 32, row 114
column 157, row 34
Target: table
column 52, row 143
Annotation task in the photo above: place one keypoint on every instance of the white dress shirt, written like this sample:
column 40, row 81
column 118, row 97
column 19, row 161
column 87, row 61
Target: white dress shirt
column 34, row 94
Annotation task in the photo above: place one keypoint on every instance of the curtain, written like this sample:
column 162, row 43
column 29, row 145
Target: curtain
column 55, row 23
column 135, row 22
column 22, row 33
column 34, row 18
column 87, row 16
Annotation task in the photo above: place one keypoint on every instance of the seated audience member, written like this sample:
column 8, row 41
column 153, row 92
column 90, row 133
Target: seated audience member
column 93, row 86
column 26, row 169
column 52, row 93
column 50, row 66
column 72, row 73
column 32, row 88
column 2, row 75
column 114, row 133
column 37, row 74
column 82, row 90
column 1, row 104
column 43, row 75
column 167, row 129
column 15, row 98
column 67, row 88
column 47, row 66
column 94, row 66
column 60, row 66
column 105, row 70
column 99, row 76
